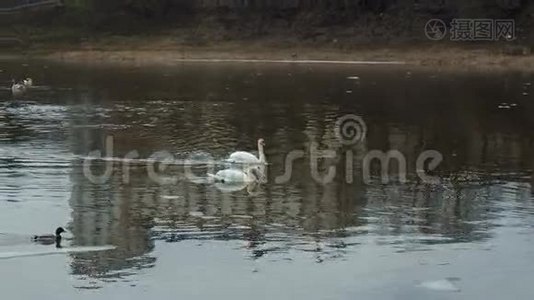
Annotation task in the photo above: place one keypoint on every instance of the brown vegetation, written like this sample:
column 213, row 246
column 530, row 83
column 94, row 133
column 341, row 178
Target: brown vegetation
column 135, row 30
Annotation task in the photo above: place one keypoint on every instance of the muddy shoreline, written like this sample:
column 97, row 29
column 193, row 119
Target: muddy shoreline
column 440, row 56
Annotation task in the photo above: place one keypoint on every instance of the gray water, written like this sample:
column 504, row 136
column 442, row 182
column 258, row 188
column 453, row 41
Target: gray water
column 129, row 237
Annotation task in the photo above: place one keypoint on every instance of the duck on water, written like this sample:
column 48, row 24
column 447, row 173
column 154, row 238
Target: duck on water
column 50, row 238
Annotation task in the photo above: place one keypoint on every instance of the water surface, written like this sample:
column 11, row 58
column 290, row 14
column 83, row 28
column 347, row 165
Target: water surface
column 470, row 236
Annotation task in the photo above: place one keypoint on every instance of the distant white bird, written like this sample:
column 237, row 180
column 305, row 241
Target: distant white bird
column 243, row 157
column 246, row 175
column 28, row 82
column 17, row 88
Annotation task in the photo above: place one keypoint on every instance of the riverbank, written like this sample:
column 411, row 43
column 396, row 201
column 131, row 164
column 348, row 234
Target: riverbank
column 167, row 50
column 328, row 33
column 448, row 56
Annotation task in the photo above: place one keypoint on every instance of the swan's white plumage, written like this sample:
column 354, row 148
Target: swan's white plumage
column 232, row 175
column 28, row 82
column 243, row 157
column 18, row 88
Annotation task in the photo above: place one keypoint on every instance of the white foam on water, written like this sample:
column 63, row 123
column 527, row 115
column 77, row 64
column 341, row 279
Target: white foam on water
column 304, row 61
column 170, row 197
column 442, row 285
column 20, row 254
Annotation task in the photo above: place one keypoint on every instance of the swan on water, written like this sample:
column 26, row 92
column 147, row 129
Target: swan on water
column 244, row 157
column 17, row 88
column 28, row 82
column 235, row 175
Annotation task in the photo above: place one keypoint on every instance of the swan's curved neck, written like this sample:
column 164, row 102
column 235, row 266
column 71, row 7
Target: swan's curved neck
column 261, row 153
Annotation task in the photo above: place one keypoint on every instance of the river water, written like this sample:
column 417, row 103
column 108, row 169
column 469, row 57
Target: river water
column 140, row 226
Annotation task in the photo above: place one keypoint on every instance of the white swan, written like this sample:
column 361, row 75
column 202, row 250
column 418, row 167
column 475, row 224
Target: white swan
column 251, row 187
column 234, row 175
column 28, row 82
column 244, row 157
column 17, row 88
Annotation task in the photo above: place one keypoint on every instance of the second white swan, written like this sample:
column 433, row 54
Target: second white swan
column 17, row 88
column 28, row 82
column 235, row 175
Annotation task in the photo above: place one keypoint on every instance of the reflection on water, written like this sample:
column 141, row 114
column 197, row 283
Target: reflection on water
column 486, row 173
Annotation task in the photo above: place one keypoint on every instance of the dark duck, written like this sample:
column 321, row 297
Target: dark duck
column 50, row 239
